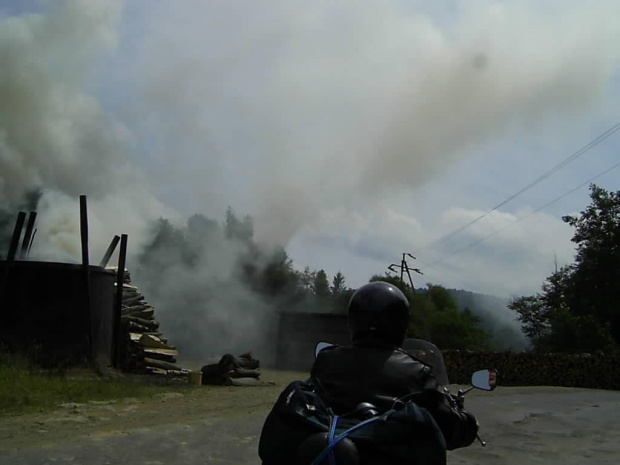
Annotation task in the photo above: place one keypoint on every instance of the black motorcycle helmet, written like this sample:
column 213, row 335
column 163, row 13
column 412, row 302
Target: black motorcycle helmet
column 379, row 310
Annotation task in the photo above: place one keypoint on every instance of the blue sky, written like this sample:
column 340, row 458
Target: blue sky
column 352, row 132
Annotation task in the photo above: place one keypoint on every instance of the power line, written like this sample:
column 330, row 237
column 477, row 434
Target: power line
column 542, row 177
column 459, row 251
column 470, row 287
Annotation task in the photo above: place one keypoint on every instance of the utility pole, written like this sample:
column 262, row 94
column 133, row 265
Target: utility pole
column 404, row 268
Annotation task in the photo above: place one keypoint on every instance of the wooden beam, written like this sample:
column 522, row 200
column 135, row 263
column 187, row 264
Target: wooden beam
column 17, row 232
column 86, row 272
column 117, row 342
column 28, row 235
column 108, row 253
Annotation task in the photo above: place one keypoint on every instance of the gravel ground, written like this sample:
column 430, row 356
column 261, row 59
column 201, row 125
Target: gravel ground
column 222, row 425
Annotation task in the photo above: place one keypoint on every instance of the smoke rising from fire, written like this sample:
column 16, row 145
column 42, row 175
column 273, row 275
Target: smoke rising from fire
column 307, row 105
column 56, row 137
column 285, row 107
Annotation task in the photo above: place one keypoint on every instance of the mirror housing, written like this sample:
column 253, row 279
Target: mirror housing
column 484, row 379
column 320, row 346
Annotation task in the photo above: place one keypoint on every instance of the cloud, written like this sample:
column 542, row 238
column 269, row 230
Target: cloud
column 513, row 262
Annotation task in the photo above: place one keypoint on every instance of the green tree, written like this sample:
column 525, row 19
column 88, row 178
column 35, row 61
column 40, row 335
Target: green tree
column 578, row 309
column 306, row 280
column 435, row 317
column 532, row 314
column 450, row 328
column 278, row 278
column 594, row 287
column 232, row 224
column 320, row 285
column 338, row 285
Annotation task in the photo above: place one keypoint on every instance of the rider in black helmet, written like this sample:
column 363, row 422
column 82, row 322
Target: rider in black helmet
column 374, row 369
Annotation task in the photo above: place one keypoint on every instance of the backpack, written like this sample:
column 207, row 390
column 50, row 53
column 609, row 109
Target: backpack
column 298, row 413
column 408, row 435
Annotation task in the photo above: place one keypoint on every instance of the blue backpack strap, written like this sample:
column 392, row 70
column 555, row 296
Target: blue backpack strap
column 335, row 440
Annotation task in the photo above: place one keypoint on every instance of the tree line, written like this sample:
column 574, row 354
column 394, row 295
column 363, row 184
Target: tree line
column 577, row 310
column 272, row 277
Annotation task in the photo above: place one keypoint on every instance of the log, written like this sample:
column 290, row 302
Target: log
column 151, row 324
column 28, row 235
column 17, row 231
column 152, row 350
column 149, row 362
column 108, row 253
column 137, row 328
column 155, row 355
column 118, row 327
column 146, row 314
column 129, row 287
column 133, row 301
column 128, row 294
column 135, row 308
column 154, row 342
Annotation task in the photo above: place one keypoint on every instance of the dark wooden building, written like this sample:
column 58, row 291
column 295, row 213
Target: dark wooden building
column 298, row 334
column 46, row 312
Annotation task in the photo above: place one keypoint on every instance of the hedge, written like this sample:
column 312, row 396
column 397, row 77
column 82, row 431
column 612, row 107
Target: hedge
column 596, row 371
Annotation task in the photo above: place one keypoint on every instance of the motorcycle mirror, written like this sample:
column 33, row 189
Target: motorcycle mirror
column 320, row 346
column 485, row 379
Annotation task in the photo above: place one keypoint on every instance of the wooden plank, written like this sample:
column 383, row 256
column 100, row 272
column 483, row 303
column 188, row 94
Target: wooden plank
column 108, row 253
column 28, row 234
column 152, row 350
column 146, row 314
column 132, row 301
column 154, row 342
column 135, row 308
column 17, row 232
column 151, row 324
column 128, row 287
column 118, row 305
column 137, row 328
column 161, row 357
column 149, row 362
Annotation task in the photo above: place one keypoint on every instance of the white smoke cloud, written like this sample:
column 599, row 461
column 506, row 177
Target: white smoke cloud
column 55, row 136
column 287, row 107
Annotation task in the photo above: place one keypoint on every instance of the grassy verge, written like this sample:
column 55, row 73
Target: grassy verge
column 26, row 389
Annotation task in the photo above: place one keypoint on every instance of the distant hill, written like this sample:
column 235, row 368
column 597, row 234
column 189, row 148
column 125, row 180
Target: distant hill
column 495, row 317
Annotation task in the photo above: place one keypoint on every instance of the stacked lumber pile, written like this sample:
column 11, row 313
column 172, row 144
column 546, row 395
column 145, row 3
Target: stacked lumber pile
column 145, row 349
column 230, row 370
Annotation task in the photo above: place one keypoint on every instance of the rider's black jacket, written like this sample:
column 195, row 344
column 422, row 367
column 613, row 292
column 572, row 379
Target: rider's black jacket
column 378, row 373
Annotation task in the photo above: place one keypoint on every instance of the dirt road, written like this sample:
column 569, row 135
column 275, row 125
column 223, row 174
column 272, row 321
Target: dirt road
column 222, row 425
